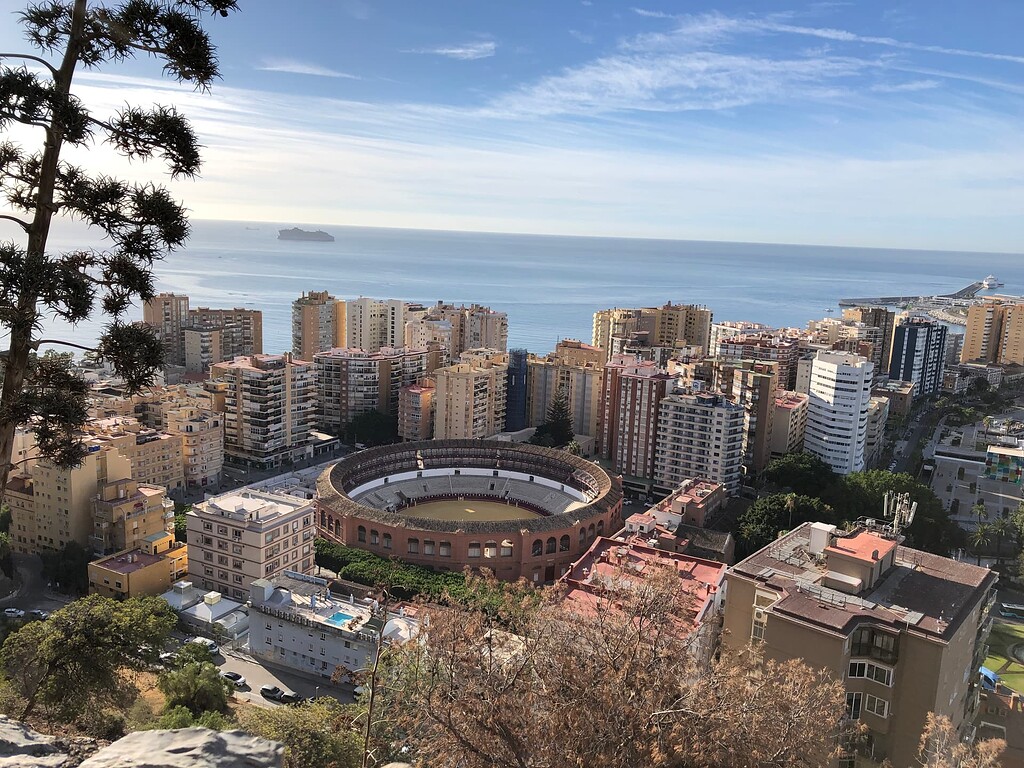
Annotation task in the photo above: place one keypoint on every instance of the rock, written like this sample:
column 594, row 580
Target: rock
column 188, row 748
column 21, row 747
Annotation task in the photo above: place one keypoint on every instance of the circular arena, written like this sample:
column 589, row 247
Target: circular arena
column 519, row 510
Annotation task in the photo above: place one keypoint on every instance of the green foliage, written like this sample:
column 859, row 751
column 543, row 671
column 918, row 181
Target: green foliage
column 181, row 521
column 181, row 717
column 803, row 473
column 314, row 733
column 73, row 662
column 556, row 431
column 140, row 222
column 68, row 568
column 768, row 516
column 192, row 653
column 197, row 686
column 402, row 579
column 5, row 518
column 372, row 428
column 6, row 563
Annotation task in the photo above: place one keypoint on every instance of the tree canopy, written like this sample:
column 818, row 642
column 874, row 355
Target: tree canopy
column 197, row 686
column 803, row 473
column 141, row 222
column 314, row 733
column 556, row 431
column 768, row 516
column 373, row 428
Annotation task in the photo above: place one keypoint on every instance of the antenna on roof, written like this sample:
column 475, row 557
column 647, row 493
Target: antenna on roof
column 899, row 508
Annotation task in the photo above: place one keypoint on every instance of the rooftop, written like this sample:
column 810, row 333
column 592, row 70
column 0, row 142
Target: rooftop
column 252, row 505
column 135, row 560
column 921, row 592
column 865, row 546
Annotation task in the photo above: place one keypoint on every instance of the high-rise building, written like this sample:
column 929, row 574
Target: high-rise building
column 516, row 391
column 627, row 427
column 469, row 397
column 416, row 410
column 425, row 332
column 350, row 382
column 579, row 371
column 1011, row 349
column 125, row 513
column 269, row 408
column 202, row 435
column 773, row 349
column 471, row 327
column 700, row 435
column 789, row 423
column 837, row 412
column 885, row 321
column 918, row 352
column 904, row 630
column 317, row 324
column 729, row 329
column 670, row 325
column 754, row 385
column 168, row 314
column 984, row 335
column 874, row 441
column 374, row 323
column 241, row 329
column 239, row 537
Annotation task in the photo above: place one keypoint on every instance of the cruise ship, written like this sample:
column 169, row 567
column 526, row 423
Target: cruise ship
column 991, row 282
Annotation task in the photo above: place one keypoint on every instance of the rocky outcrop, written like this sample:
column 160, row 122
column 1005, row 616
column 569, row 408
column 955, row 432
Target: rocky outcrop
column 22, row 747
column 189, row 748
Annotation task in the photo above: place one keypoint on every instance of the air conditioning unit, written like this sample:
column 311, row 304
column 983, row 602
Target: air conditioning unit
column 760, row 614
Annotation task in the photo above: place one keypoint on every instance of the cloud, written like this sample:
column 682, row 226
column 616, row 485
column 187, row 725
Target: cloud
column 908, row 87
column 465, row 52
column 582, row 37
column 291, row 66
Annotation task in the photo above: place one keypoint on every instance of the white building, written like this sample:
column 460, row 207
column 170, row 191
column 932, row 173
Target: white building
column 239, row 537
column 375, row 323
column 699, row 435
column 837, row 412
column 295, row 621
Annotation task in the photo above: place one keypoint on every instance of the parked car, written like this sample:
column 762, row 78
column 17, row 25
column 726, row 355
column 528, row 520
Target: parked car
column 207, row 643
column 234, row 678
column 38, row 614
column 271, row 692
column 14, row 613
column 168, row 658
column 291, row 697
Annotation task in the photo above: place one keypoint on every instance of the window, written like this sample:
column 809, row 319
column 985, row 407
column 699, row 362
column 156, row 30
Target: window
column 428, row 547
column 870, row 671
column 563, row 544
column 853, row 705
column 387, row 541
column 758, row 625
column 875, row 644
column 551, row 545
column 361, row 533
column 474, row 549
column 506, row 548
column 269, row 627
column 538, row 548
column 374, row 537
column 446, row 549
column 876, row 706
column 413, row 546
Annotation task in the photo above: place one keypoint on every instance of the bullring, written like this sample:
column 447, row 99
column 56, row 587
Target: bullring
column 518, row 510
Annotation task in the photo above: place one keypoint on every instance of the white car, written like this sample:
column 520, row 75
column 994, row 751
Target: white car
column 207, row 643
column 14, row 613
column 234, row 678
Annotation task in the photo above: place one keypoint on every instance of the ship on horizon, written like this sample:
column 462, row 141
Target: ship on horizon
column 319, row 236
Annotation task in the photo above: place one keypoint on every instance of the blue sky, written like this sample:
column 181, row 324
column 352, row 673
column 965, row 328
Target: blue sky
column 848, row 123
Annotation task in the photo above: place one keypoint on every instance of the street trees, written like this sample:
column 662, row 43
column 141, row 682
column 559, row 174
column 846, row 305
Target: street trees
column 141, row 221
column 803, row 473
column 73, row 661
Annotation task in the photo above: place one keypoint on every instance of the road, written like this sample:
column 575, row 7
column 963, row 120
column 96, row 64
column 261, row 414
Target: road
column 257, row 674
column 32, row 591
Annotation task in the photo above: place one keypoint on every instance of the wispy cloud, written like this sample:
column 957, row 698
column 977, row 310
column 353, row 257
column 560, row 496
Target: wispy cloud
column 908, row 87
column 582, row 37
column 465, row 52
column 294, row 67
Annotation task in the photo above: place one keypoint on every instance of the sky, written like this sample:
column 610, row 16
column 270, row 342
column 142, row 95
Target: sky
column 846, row 123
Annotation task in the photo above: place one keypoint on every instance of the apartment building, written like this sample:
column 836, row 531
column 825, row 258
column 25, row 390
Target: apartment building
column 837, row 412
column 460, row 328
column 374, row 323
column 469, row 397
column 197, row 338
column 885, row 321
column 168, row 314
column 670, row 325
column 125, row 513
column 874, row 440
column 627, row 427
column 983, row 338
column 783, row 351
column 754, row 386
column 350, row 382
column 317, row 324
column 576, row 370
column 918, row 354
column 269, row 408
column 789, row 423
column 699, row 434
column 202, row 442
column 239, row 537
column 146, row 570
column 157, row 457
column 729, row 329
column 416, row 410
column 904, row 630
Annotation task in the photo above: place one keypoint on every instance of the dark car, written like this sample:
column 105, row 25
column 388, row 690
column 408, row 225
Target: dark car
column 291, row 697
column 271, row 692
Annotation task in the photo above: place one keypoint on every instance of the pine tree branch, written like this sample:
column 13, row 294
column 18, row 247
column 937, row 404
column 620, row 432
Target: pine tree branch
column 30, row 57
column 39, row 342
column 20, row 222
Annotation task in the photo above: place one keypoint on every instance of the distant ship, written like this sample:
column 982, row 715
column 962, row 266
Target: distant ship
column 991, row 282
column 301, row 234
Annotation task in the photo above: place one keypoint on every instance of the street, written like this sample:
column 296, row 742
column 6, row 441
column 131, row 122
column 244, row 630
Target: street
column 256, row 675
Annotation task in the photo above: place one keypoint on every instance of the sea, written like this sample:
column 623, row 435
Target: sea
column 550, row 286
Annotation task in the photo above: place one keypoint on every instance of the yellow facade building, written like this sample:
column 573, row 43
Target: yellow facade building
column 470, row 397
column 146, row 570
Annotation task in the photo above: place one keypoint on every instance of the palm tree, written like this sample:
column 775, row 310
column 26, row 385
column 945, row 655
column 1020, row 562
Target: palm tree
column 980, row 538
column 979, row 511
column 1002, row 528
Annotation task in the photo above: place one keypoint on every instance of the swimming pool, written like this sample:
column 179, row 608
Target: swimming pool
column 338, row 619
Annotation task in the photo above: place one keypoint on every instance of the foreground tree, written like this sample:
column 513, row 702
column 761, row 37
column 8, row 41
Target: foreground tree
column 141, row 221
column 942, row 747
column 314, row 733
column 197, row 686
column 762, row 522
column 619, row 683
column 74, row 661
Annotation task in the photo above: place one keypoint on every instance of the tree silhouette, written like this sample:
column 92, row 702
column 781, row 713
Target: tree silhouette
column 556, row 431
column 141, row 221
column 980, row 538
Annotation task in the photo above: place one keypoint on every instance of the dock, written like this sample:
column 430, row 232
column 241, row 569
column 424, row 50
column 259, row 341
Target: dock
column 886, row 301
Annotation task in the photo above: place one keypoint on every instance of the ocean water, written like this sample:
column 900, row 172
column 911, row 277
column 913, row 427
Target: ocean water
column 549, row 286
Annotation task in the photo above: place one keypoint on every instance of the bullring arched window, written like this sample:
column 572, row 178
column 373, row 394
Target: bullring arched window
column 374, row 537
column 590, row 532
column 538, row 548
column 583, row 537
column 413, row 545
column 474, row 549
column 506, row 548
column 552, row 544
column 445, row 549
column 600, row 527
column 428, row 546
column 563, row 543
column 387, row 541
column 491, row 549
column 361, row 533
